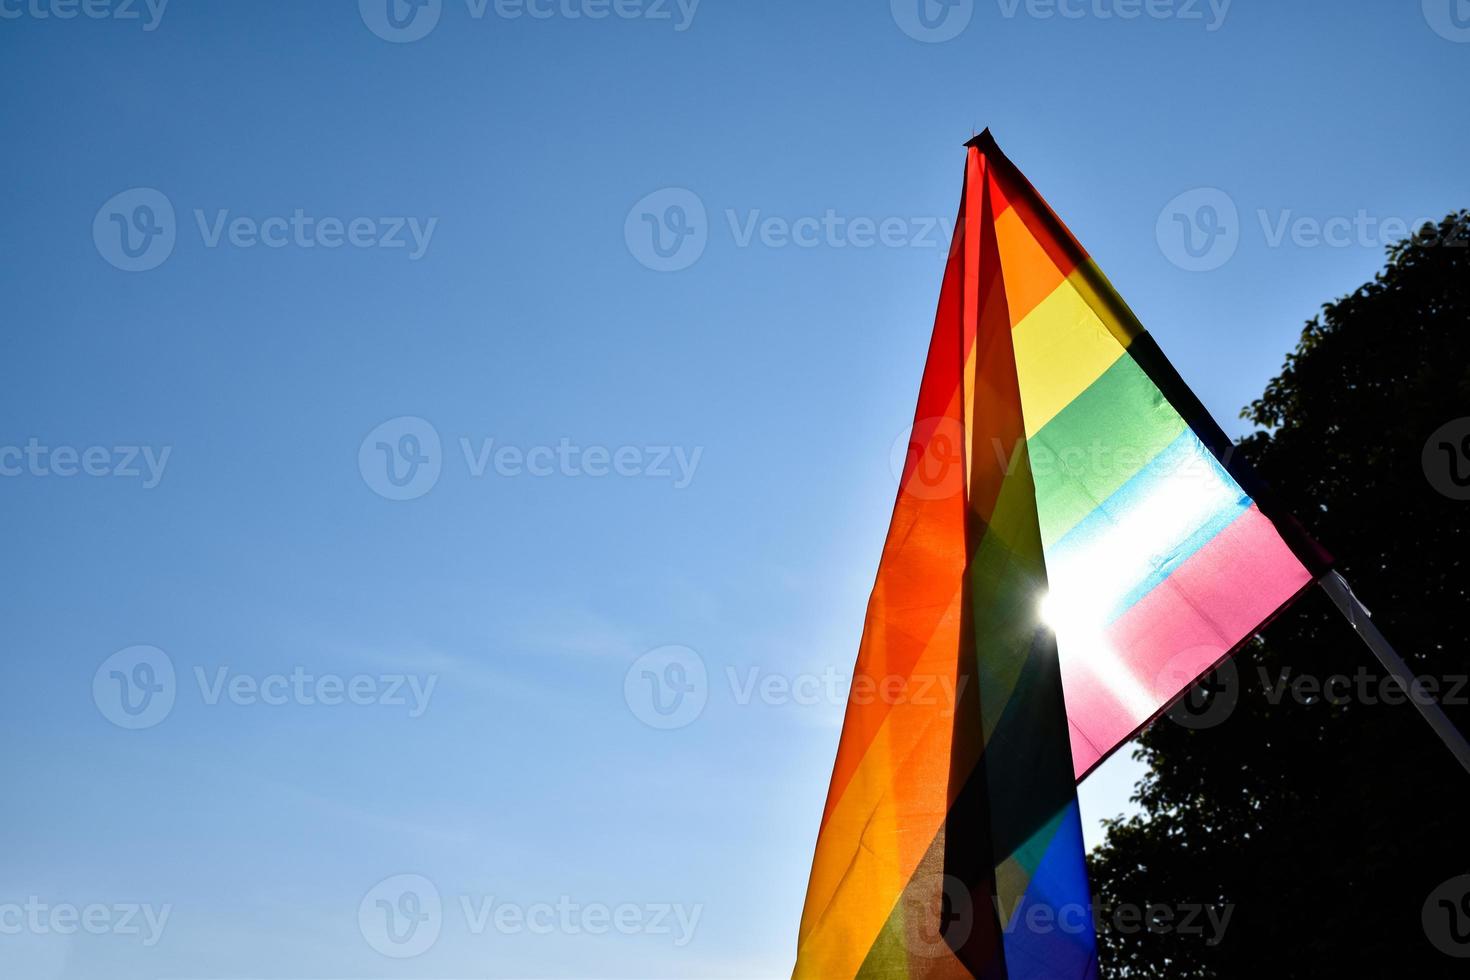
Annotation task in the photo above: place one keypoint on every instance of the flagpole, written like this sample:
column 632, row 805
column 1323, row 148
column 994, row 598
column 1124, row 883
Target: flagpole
column 1361, row 619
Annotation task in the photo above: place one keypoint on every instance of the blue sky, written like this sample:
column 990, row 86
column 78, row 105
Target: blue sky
column 260, row 684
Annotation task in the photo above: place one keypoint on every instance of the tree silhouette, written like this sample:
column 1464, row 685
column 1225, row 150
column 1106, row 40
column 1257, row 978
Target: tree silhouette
column 1324, row 822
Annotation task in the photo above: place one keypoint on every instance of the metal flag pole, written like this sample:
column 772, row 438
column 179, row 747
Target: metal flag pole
column 1362, row 620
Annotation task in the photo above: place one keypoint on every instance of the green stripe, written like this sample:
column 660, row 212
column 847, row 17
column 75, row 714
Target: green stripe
column 1094, row 445
column 1005, row 579
column 1029, row 855
column 888, row 957
column 911, row 937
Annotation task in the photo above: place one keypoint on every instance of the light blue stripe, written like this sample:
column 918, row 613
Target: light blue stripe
column 1172, row 508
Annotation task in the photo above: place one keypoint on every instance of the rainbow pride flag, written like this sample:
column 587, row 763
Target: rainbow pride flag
column 1071, row 549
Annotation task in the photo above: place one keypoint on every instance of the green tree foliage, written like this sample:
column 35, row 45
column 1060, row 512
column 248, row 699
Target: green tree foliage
column 1324, row 827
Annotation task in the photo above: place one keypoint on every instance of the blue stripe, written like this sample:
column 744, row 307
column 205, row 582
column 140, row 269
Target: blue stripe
column 1063, row 942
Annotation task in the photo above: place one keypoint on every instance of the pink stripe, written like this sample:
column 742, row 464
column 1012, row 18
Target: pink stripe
column 1161, row 646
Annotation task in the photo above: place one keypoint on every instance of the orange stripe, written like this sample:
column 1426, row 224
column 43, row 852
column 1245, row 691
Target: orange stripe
column 890, row 785
column 923, row 556
column 880, row 829
column 922, row 566
column 1060, row 245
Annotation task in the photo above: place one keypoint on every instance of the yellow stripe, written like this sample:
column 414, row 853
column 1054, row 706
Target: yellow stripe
column 880, row 829
column 856, row 877
column 1106, row 303
column 1062, row 346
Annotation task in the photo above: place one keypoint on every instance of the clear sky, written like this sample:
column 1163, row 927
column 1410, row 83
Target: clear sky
column 254, row 253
